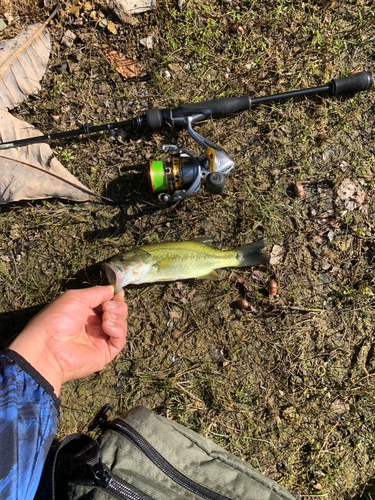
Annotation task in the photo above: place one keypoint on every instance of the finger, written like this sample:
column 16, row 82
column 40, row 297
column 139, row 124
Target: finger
column 113, row 309
column 115, row 327
column 119, row 296
column 117, row 306
column 93, row 296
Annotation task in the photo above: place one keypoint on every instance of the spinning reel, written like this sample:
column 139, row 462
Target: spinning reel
column 183, row 172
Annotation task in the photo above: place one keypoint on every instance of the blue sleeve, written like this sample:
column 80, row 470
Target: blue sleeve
column 29, row 413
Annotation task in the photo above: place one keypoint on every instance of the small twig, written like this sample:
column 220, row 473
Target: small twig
column 189, row 393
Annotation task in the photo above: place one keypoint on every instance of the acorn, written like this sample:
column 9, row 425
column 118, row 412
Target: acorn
column 242, row 304
column 298, row 189
column 272, row 288
column 237, row 28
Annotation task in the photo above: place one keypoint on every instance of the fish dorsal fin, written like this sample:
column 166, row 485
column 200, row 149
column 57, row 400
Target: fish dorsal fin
column 204, row 240
column 210, row 276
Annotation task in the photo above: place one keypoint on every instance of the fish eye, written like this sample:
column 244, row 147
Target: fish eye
column 122, row 259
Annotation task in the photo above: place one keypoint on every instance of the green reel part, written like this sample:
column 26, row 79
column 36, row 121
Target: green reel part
column 157, row 176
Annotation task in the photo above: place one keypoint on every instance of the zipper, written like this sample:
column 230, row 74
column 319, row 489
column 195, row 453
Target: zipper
column 114, row 486
column 157, row 459
column 104, row 479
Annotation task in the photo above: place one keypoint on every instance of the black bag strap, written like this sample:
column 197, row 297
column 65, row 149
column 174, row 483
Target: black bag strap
column 65, row 465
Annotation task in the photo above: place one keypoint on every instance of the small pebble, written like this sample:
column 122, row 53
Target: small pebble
column 298, row 189
column 331, row 236
column 103, row 23
column 217, row 354
column 272, row 288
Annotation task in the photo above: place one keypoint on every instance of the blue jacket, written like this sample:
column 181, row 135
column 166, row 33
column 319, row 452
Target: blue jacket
column 29, row 413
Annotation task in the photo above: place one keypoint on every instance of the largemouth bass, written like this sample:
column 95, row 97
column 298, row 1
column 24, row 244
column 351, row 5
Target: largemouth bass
column 179, row 260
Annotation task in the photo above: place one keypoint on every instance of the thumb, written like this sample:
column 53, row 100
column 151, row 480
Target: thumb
column 93, row 296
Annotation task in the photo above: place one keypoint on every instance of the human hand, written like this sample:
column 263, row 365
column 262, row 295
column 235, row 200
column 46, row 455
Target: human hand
column 75, row 335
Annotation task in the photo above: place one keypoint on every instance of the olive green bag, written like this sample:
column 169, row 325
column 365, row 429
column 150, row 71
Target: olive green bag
column 144, row 456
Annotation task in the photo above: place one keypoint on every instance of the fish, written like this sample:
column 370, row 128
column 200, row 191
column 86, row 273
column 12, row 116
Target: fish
column 171, row 261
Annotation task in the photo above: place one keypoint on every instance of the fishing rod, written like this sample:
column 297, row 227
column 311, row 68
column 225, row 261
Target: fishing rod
column 181, row 174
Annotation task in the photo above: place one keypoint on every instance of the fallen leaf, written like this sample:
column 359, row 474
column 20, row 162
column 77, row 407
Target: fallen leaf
column 352, row 194
column 276, row 255
column 68, row 39
column 127, row 67
column 134, row 6
column 75, row 10
column 257, row 275
column 23, row 62
column 319, row 239
column 339, row 407
column 27, row 173
column 175, row 313
column 112, row 28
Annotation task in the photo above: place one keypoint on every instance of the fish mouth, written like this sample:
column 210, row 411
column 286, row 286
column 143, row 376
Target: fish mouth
column 113, row 274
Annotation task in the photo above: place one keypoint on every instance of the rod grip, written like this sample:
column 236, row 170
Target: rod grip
column 156, row 118
column 355, row 82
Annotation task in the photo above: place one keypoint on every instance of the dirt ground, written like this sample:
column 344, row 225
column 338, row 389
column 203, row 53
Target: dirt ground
column 288, row 383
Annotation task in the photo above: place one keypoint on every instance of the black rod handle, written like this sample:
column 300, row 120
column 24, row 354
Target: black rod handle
column 355, row 82
column 156, row 118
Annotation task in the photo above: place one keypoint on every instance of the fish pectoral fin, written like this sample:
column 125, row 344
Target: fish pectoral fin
column 210, row 276
column 204, row 240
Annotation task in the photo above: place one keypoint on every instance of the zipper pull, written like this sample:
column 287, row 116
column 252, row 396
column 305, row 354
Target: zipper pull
column 89, row 456
column 101, row 477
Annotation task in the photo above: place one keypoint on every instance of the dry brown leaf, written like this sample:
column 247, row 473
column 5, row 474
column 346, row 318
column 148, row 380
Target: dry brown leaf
column 26, row 173
column 338, row 406
column 352, row 194
column 175, row 313
column 112, row 28
column 23, row 62
column 134, row 6
column 128, row 68
column 277, row 254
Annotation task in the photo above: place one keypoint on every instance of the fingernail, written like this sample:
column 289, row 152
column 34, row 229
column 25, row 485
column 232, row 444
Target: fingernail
column 110, row 323
column 112, row 304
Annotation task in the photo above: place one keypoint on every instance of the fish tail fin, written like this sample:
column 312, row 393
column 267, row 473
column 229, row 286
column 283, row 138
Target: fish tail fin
column 252, row 254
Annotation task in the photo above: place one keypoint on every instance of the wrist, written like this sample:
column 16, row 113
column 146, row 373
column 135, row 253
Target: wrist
column 40, row 359
column 32, row 373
